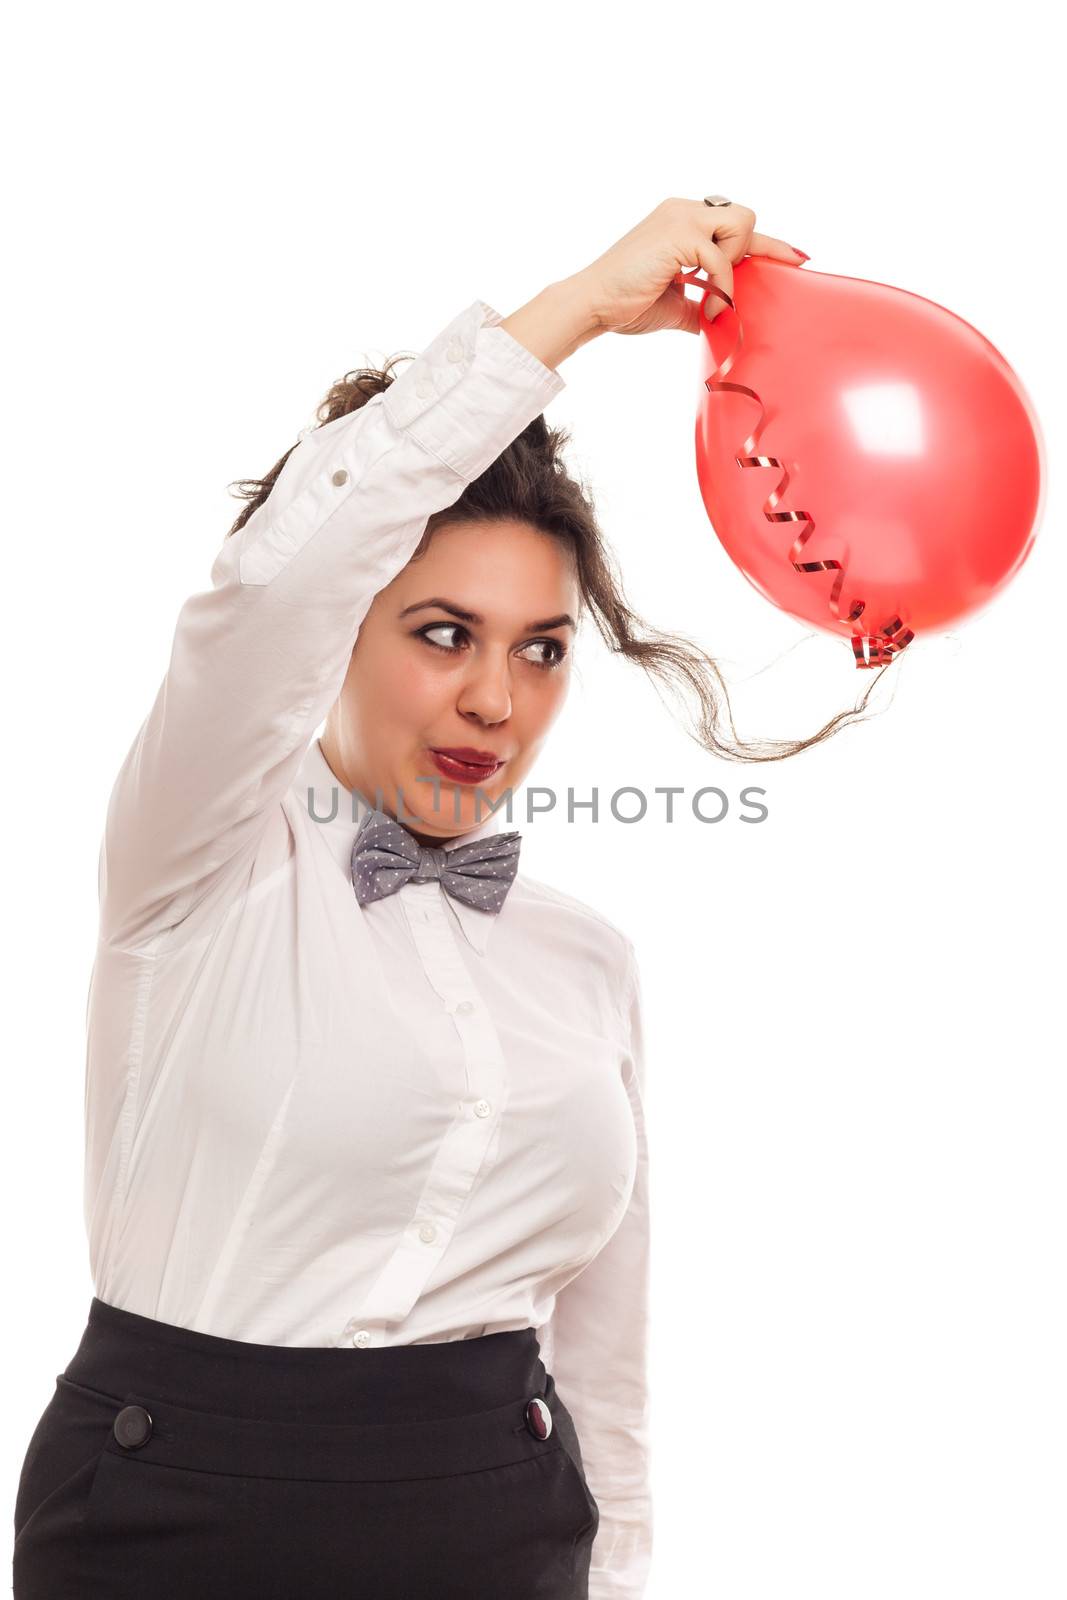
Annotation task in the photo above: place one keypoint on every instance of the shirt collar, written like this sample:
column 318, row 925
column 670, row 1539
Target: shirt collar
column 339, row 833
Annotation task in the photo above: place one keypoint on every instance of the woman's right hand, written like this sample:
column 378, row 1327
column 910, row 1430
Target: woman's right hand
column 636, row 287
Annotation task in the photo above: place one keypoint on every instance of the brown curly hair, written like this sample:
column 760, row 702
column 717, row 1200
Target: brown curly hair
column 529, row 482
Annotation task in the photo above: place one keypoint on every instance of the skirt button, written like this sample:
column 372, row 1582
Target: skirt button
column 132, row 1427
column 538, row 1418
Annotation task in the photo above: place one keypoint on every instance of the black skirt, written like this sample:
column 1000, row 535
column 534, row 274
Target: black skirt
column 172, row 1463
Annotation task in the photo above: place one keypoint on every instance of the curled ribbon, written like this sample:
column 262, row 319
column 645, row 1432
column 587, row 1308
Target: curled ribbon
column 869, row 649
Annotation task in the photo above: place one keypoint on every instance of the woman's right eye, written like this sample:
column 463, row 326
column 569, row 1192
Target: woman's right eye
column 432, row 627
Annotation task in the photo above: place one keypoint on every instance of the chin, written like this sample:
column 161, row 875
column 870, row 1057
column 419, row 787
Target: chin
column 459, row 805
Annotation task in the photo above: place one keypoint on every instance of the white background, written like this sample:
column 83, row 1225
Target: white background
column 853, row 1010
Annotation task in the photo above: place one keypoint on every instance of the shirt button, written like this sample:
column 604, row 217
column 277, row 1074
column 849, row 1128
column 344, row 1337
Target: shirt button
column 427, row 1233
column 482, row 1108
column 424, row 388
column 465, row 1005
column 455, row 351
column 339, row 477
column 361, row 1338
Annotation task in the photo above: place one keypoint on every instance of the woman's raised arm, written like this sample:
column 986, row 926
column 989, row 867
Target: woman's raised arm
column 258, row 659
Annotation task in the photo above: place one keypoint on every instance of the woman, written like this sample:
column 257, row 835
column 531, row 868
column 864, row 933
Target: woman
column 366, row 1169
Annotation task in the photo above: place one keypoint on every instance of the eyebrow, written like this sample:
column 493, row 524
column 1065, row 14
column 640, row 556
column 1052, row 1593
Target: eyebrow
column 562, row 621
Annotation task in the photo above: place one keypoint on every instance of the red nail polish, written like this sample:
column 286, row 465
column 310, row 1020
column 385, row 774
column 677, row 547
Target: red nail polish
column 800, row 253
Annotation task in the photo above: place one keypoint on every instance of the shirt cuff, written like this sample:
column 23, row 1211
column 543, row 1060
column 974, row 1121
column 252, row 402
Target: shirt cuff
column 471, row 391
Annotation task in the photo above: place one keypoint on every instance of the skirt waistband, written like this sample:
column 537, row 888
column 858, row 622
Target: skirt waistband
column 120, row 1350
column 385, row 1413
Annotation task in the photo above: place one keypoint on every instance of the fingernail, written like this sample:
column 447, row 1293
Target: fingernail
column 799, row 253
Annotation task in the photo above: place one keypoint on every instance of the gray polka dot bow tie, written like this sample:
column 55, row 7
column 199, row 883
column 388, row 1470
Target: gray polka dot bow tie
column 385, row 856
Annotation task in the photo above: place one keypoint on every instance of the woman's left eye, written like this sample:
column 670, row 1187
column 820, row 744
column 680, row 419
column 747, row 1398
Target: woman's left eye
column 558, row 648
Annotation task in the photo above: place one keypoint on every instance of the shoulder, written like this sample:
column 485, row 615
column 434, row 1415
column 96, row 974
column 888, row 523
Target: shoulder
column 575, row 928
column 567, row 908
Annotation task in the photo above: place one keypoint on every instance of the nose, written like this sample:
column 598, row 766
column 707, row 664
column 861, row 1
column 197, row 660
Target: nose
column 486, row 689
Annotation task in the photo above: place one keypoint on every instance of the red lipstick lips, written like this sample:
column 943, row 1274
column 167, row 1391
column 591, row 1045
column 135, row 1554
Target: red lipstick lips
column 466, row 765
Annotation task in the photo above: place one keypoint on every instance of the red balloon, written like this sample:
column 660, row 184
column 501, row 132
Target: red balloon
column 868, row 459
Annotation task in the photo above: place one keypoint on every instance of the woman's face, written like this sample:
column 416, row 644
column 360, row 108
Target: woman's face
column 423, row 677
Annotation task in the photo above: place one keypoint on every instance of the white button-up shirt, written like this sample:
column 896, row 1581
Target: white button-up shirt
column 314, row 1123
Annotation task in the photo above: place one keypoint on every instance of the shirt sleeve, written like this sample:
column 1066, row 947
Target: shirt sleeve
column 258, row 659
column 598, row 1354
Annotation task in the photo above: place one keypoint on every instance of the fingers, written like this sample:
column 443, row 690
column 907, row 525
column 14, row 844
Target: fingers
column 716, row 263
column 726, row 234
column 729, row 230
column 731, row 240
column 730, row 227
column 764, row 244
